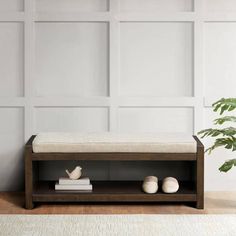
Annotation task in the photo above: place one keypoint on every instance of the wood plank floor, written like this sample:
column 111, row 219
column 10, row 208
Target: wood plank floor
column 215, row 203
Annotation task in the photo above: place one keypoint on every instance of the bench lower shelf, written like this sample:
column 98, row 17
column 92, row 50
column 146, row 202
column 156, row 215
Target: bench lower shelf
column 112, row 191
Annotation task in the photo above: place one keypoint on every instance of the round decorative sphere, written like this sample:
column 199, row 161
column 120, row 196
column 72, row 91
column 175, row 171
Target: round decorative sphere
column 170, row 185
column 150, row 184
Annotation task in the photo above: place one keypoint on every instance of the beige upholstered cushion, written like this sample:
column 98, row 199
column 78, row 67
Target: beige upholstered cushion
column 114, row 142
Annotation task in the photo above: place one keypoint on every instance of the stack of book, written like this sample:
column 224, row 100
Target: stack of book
column 81, row 184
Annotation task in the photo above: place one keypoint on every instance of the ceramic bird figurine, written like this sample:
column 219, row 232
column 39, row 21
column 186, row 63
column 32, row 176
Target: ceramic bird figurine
column 75, row 174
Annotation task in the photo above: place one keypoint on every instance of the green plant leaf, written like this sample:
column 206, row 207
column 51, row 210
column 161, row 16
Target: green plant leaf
column 224, row 119
column 227, row 165
column 228, row 143
column 230, row 131
column 224, row 104
column 223, row 137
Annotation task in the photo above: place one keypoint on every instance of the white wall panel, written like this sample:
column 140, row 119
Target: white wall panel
column 71, row 5
column 11, row 5
column 11, row 59
column 71, row 119
column 220, row 5
column 71, row 59
column 156, row 5
column 220, row 59
column 156, row 120
column 156, row 59
column 154, row 56
column 11, row 148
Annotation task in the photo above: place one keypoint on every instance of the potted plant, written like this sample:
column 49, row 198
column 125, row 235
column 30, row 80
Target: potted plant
column 224, row 137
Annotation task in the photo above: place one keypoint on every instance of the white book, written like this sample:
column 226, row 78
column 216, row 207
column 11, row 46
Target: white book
column 66, row 180
column 87, row 187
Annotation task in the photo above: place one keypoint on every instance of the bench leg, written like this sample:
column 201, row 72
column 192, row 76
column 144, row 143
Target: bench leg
column 28, row 203
column 200, row 204
column 28, row 179
column 200, row 178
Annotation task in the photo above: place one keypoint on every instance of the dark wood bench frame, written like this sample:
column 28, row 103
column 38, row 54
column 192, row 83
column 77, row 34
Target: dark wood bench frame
column 112, row 192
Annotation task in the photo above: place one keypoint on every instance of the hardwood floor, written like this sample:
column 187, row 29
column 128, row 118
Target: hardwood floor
column 215, row 203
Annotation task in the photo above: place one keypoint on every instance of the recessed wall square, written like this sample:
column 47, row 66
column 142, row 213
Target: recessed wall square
column 156, row 5
column 11, row 5
column 71, row 59
column 11, row 59
column 72, row 5
column 156, row 59
column 220, row 5
column 156, row 119
column 11, row 148
column 220, row 59
column 71, row 119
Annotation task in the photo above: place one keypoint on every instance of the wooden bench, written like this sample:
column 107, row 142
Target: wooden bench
column 113, row 191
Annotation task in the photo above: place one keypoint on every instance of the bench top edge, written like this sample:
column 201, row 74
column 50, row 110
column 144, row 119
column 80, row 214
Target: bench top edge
column 199, row 143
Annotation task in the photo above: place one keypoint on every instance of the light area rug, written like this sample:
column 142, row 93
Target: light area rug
column 109, row 225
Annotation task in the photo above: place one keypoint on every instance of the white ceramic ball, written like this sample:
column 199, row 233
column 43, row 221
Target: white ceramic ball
column 150, row 184
column 170, row 185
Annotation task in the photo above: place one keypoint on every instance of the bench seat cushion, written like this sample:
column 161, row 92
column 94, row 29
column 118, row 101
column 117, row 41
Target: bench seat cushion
column 113, row 142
